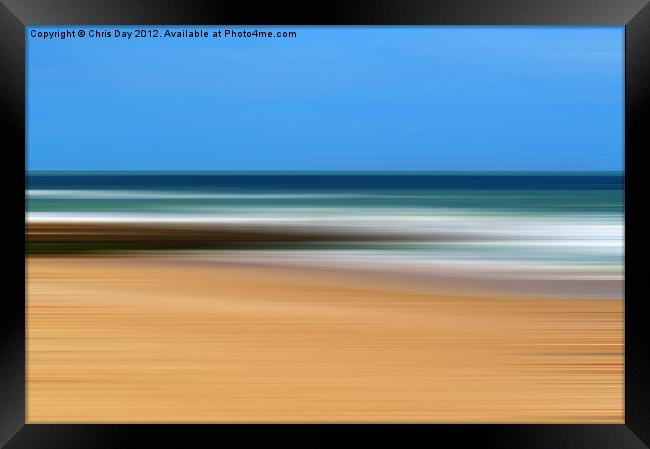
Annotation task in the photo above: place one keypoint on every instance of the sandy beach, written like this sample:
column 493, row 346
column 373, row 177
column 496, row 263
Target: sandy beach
column 165, row 339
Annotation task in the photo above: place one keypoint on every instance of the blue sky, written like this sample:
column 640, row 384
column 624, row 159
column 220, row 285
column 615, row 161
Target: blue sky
column 359, row 98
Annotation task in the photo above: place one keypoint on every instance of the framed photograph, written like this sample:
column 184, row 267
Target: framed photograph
column 420, row 213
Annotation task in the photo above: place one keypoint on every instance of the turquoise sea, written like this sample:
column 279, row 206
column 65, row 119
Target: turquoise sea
column 523, row 225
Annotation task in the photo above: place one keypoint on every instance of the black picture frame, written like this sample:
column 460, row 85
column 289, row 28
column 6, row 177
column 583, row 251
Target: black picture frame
column 15, row 15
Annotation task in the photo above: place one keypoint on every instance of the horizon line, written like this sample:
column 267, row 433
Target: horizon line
column 132, row 171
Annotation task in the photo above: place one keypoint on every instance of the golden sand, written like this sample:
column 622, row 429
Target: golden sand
column 151, row 339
